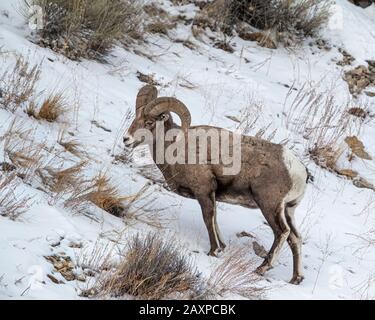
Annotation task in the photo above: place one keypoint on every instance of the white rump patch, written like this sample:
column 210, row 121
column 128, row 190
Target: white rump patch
column 298, row 175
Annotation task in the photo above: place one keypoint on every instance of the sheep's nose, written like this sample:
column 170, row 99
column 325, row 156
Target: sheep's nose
column 128, row 141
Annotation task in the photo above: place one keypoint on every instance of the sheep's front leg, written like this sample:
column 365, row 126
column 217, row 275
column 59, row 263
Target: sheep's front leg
column 208, row 206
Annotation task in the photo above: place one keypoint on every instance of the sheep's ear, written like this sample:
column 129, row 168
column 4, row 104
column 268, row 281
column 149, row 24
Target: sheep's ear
column 164, row 117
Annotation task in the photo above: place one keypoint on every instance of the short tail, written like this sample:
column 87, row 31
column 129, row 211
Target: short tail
column 310, row 177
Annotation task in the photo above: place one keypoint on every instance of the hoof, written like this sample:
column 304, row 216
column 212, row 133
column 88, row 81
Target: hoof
column 215, row 252
column 261, row 270
column 296, row 280
column 222, row 246
column 212, row 254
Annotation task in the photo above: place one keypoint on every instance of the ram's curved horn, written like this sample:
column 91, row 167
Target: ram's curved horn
column 146, row 95
column 163, row 104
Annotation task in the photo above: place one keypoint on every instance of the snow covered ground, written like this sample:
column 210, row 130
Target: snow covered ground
column 214, row 84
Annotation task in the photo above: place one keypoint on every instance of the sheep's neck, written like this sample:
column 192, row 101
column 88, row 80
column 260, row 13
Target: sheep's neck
column 165, row 168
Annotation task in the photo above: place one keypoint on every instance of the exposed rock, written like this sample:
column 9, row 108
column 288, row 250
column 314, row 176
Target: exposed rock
column 147, row 78
column 323, row 44
column 357, row 147
column 362, row 183
column 348, row 173
column 223, row 45
column 64, row 265
column 347, row 58
column 7, row 167
column 54, row 280
column 81, row 278
column 244, row 234
column 233, row 118
column 362, row 3
column 359, row 112
column 259, row 250
column 360, row 78
column 75, row 245
column 262, row 38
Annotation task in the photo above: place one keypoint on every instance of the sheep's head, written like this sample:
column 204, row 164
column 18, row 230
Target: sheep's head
column 150, row 109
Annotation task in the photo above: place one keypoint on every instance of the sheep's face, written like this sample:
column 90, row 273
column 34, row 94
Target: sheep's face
column 142, row 122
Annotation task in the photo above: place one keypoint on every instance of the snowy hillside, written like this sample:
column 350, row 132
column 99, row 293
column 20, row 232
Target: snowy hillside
column 336, row 218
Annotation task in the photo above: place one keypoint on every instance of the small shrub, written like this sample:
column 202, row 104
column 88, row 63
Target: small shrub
column 17, row 84
column 87, row 29
column 71, row 146
column 285, row 18
column 152, row 268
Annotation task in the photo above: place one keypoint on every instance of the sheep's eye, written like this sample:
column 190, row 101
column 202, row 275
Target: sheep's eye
column 149, row 123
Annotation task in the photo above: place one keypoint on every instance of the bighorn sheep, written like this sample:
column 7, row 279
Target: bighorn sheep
column 271, row 178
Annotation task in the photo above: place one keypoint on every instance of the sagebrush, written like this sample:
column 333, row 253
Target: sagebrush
column 87, row 29
column 151, row 268
column 287, row 20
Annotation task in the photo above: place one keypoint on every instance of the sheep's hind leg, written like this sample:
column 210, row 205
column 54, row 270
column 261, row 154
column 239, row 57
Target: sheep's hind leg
column 277, row 221
column 295, row 243
column 208, row 206
column 218, row 233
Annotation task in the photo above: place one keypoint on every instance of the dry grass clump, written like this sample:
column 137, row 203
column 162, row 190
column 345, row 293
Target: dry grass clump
column 51, row 109
column 100, row 192
column 61, row 181
column 106, row 196
column 71, row 146
column 12, row 206
column 152, row 268
column 87, row 29
column 235, row 275
column 287, row 20
column 17, row 84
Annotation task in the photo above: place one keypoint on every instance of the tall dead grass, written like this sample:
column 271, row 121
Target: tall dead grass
column 12, row 205
column 235, row 275
column 323, row 122
column 23, row 150
column 17, row 84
